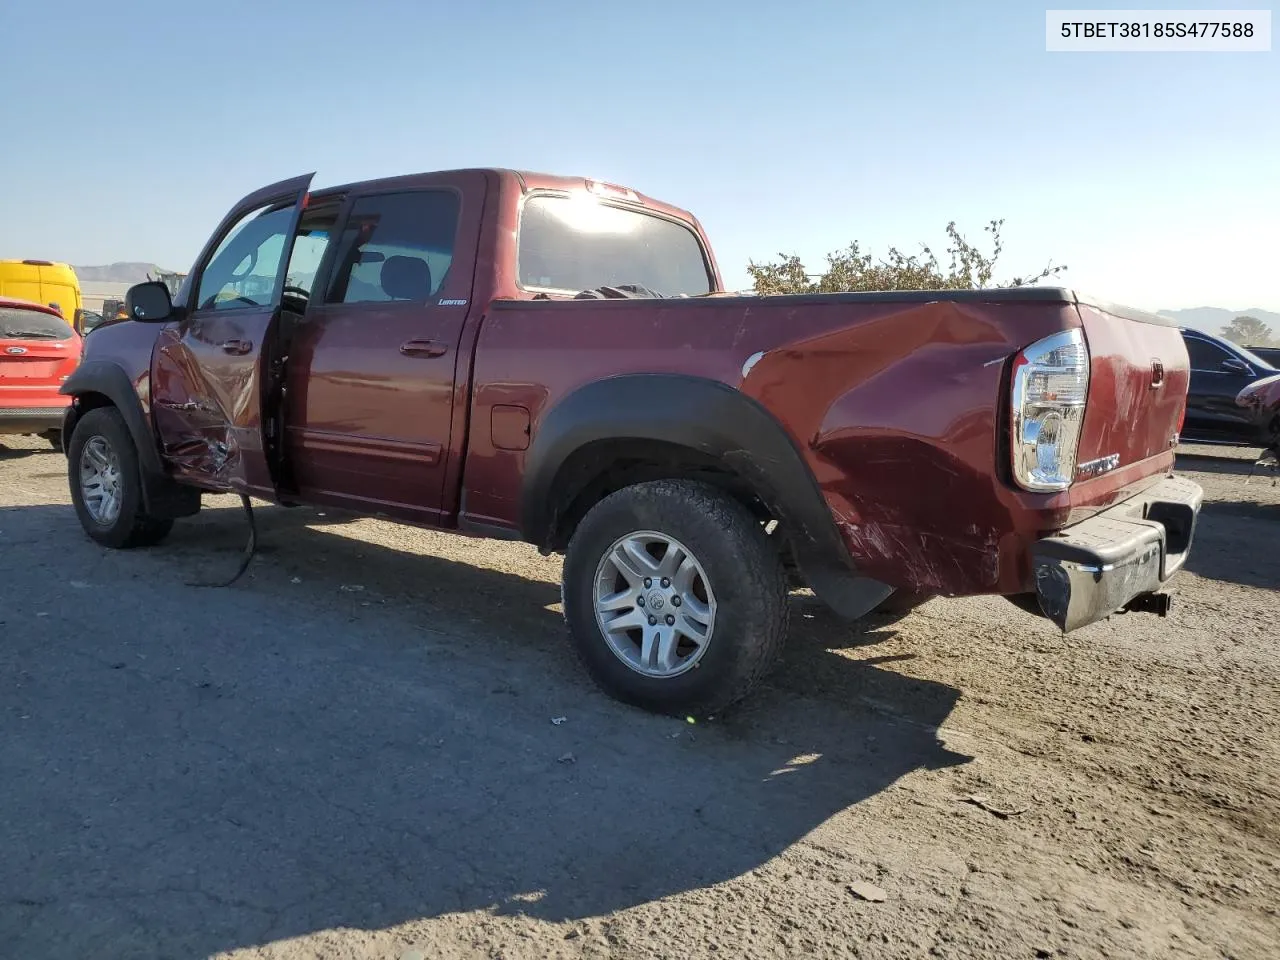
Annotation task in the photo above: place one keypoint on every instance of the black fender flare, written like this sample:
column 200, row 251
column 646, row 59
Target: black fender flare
column 163, row 497
column 715, row 420
column 110, row 380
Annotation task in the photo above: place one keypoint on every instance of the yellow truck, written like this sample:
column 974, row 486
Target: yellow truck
column 44, row 282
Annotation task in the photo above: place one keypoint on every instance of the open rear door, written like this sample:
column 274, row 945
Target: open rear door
column 209, row 369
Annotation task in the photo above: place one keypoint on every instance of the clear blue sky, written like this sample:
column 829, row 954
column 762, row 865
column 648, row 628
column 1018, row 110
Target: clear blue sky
column 128, row 127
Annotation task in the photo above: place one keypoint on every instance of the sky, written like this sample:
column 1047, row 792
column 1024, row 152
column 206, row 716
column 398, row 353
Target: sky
column 128, row 128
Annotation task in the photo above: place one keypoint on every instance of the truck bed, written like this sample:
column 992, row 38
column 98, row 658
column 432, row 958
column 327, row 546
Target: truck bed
column 896, row 401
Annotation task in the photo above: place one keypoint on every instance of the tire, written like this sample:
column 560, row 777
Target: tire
column 128, row 525
column 735, row 564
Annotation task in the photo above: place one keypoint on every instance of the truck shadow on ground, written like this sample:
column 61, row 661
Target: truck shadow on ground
column 1226, row 524
column 368, row 759
column 14, row 453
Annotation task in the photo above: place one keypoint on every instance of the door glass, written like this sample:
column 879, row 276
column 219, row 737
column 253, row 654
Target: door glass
column 395, row 246
column 243, row 270
column 308, row 249
column 1204, row 355
column 314, row 233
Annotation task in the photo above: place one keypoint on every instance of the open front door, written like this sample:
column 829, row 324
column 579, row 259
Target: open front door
column 209, row 371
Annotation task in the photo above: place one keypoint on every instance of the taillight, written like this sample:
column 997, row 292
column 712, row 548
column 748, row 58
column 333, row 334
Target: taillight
column 1050, row 388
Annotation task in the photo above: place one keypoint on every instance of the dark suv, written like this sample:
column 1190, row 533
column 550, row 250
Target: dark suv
column 1220, row 369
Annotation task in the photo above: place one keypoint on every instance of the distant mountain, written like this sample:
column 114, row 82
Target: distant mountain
column 1213, row 319
column 117, row 273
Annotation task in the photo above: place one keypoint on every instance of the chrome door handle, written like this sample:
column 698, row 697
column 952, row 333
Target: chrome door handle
column 423, row 348
column 237, row 347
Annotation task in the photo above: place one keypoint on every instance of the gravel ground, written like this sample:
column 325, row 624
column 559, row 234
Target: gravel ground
column 358, row 751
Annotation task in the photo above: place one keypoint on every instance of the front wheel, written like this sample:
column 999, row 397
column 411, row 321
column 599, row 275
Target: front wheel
column 106, row 483
column 675, row 597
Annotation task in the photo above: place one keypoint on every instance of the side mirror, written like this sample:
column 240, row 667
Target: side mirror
column 148, row 302
column 1232, row 365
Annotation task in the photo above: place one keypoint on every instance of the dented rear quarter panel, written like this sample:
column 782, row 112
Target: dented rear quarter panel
column 899, row 408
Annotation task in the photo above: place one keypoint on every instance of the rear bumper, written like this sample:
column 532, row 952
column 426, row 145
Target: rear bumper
column 1118, row 559
column 14, row 420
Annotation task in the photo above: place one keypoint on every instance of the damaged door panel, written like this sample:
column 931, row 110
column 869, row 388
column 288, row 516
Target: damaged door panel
column 209, row 370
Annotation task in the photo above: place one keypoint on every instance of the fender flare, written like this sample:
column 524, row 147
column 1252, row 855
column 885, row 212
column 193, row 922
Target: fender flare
column 110, row 380
column 716, row 420
column 163, row 497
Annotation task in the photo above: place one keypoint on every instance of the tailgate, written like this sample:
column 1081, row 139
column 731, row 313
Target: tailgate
column 36, row 363
column 1138, row 379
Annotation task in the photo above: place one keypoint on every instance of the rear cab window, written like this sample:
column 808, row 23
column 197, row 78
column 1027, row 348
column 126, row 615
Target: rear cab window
column 567, row 244
column 17, row 323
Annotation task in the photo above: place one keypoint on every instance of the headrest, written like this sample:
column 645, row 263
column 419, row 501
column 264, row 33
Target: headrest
column 406, row 278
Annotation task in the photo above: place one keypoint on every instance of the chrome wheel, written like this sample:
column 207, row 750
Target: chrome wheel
column 100, row 486
column 654, row 604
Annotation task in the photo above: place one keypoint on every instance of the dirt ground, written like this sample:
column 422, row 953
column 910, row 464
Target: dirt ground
column 358, row 751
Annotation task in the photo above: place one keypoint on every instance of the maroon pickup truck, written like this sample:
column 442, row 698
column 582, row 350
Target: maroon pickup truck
column 554, row 360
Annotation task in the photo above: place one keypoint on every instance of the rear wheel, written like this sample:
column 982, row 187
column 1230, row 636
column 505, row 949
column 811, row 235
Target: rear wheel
column 106, row 483
column 675, row 597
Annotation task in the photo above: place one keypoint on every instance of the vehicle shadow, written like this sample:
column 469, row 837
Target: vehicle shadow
column 1227, row 463
column 256, row 764
column 1226, row 524
column 1221, row 530
column 15, row 453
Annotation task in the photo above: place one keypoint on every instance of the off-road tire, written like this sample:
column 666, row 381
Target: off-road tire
column 132, row 526
column 743, row 569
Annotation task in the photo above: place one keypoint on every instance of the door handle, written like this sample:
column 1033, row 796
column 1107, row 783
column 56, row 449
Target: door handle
column 237, row 347
column 423, row 348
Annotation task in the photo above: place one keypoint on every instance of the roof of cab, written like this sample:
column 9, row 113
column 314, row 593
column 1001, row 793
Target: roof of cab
column 527, row 179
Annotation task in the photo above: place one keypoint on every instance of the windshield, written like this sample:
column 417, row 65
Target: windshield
column 571, row 244
column 18, row 323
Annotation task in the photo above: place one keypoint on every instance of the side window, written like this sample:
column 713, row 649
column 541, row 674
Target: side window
column 314, row 233
column 1205, row 355
column 395, row 246
column 242, row 271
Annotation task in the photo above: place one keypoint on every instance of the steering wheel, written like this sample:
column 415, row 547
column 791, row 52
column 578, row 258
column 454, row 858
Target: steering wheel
column 239, row 275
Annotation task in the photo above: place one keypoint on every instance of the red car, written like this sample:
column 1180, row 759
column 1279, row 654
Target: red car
column 38, row 352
